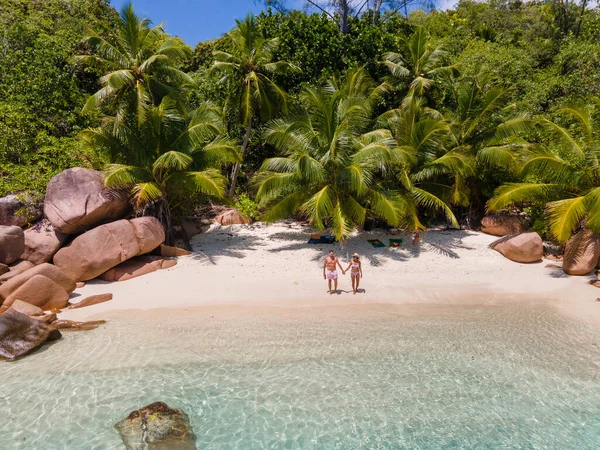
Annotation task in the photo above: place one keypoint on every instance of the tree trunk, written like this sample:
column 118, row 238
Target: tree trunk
column 236, row 167
column 164, row 216
column 581, row 13
column 376, row 9
column 343, row 11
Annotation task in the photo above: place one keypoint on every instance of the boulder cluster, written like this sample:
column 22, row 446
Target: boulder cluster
column 581, row 254
column 82, row 234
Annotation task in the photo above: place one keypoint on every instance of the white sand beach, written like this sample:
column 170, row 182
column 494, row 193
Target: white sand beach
column 274, row 265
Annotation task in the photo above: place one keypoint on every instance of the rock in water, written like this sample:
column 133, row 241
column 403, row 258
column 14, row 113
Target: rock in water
column 522, row 248
column 106, row 246
column 47, row 270
column 17, row 212
column 581, row 253
column 42, row 241
column 232, row 217
column 157, row 427
column 12, row 244
column 77, row 200
column 71, row 325
column 40, row 291
column 20, row 334
column 503, row 224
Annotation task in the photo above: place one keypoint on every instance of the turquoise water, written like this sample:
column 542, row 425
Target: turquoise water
column 519, row 375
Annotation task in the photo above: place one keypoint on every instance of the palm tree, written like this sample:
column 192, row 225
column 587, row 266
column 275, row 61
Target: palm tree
column 330, row 162
column 563, row 171
column 247, row 67
column 175, row 156
column 418, row 61
column 431, row 177
column 139, row 64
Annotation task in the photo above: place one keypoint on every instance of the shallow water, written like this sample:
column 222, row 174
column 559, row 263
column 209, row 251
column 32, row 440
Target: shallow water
column 516, row 375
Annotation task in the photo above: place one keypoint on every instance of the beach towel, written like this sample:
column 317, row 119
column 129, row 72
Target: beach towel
column 322, row 240
column 395, row 242
column 376, row 243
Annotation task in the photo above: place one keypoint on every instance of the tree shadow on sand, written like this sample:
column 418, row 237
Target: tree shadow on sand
column 210, row 246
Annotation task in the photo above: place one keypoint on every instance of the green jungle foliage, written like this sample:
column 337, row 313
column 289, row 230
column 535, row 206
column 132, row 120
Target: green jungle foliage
column 434, row 118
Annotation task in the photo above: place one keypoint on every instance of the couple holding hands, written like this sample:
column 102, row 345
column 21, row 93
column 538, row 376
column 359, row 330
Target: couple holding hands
column 330, row 271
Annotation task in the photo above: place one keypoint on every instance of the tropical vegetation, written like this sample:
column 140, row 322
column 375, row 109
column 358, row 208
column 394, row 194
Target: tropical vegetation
column 380, row 116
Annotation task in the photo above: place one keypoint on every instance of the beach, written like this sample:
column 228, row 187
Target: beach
column 273, row 265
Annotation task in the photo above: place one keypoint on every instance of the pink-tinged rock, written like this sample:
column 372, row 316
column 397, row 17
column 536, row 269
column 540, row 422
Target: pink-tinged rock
column 15, row 211
column 4, row 269
column 40, row 291
column 79, row 284
column 149, row 233
column 20, row 334
column 47, row 270
column 96, row 251
column 171, row 252
column 42, row 241
column 522, row 248
column 503, row 224
column 12, row 244
column 27, row 308
column 581, row 253
column 77, row 200
column 232, row 217
column 137, row 267
column 15, row 269
column 62, row 324
column 92, row 300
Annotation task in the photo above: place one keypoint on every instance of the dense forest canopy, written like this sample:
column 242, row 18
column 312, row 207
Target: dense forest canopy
column 408, row 117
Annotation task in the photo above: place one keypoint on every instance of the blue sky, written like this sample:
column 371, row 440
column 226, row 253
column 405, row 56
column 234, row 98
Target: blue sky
column 198, row 20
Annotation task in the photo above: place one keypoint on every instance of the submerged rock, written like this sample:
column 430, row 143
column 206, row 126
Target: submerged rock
column 157, row 427
column 581, row 253
column 63, row 324
column 77, row 200
column 522, row 248
column 20, row 334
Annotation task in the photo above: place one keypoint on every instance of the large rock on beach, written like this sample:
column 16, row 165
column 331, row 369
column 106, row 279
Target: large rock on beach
column 77, row 200
column 522, row 248
column 42, row 241
column 12, row 244
column 27, row 308
column 40, row 291
column 503, row 224
column 581, row 253
column 16, row 211
column 47, row 270
column 171, row 252
column 20, row 334
column 15, row 269
column 137, row 267
column 4, row 269
column 96, row 251
column 157, row 427
column 232, row 217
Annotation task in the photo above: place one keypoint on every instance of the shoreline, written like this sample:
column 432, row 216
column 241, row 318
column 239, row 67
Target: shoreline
column 273, row 265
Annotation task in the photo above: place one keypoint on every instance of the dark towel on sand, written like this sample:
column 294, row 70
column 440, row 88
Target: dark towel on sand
column 376, row 243
column 395, row 242
column 322, row 240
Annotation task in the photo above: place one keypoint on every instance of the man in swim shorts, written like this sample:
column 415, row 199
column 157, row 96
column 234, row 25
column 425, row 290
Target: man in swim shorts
column 330, row 271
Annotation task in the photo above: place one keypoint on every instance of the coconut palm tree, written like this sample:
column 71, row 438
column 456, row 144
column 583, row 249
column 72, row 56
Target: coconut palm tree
column 247, row 66
column 563, row 171
column 176, row 156
column 418, row 61
column 431, row 176
column 330, row 162
column 139, row 67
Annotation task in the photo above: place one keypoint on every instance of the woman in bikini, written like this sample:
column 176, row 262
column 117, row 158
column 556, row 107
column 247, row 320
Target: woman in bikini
column 355, row 268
